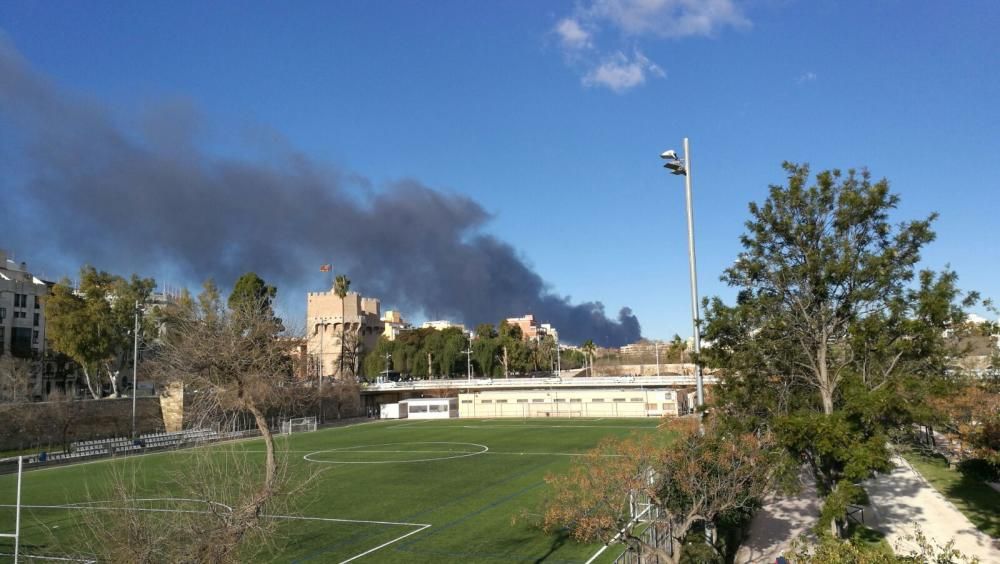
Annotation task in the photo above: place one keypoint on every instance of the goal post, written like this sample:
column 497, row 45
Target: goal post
column 298, row 425
column 16, row 535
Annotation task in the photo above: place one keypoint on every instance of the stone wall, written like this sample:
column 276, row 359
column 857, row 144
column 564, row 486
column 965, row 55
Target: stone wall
column 53, row 425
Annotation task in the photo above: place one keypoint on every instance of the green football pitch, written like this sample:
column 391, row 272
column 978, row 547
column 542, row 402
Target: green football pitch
column 386, row 491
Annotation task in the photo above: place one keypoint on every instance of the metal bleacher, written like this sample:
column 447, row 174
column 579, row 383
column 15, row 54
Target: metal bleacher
column 123, row 446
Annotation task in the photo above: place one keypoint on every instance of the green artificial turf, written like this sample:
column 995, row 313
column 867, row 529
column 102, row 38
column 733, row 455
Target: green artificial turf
column 971, row 495
column 471, row 481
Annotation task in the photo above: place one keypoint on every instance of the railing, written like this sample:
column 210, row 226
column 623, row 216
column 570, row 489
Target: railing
column 554, row 381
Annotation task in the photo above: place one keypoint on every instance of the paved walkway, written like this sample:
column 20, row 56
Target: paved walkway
column 902, row 499
column 779, row 522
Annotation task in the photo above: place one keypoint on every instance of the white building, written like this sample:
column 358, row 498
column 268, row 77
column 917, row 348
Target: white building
column 22, row 310
column 598, row 402
column 421, row 408
column 441, row 325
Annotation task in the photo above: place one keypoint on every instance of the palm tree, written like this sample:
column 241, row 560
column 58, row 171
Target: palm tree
column 589, row 348
column 340, row 287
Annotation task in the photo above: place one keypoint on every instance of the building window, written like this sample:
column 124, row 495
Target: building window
column 466, row 401
column 597, row 400
column 501, row 401
column 3, row 313
column 538, row 400
column 522, row 401
column 575, row 400
column 560, row 400
column 487, row 401
column 651, row 406
column 620, row 399
column 37, row 302
column 36, row 321
column 635, row 399
column 34, row 337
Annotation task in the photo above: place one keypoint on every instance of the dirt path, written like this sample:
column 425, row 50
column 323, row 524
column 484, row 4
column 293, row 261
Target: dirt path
column 779, row 522
column 902, row 499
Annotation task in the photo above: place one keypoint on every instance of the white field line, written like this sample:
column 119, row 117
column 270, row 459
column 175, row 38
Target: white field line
column 80, row 506
column 188, row 449
column 383, row 545
column 54, row 558
column 650, row 427
column 448, row 452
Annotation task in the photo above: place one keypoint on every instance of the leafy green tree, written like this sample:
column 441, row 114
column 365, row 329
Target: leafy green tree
column 250, row 290
column 94, row 325
column 589, row 348
column 833, row 338
column 484, row 352
column 341, row 285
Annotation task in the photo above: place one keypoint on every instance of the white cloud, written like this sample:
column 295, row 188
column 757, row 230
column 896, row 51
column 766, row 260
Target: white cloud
column 593, row 21
column 572, row 35
column 668, row 18
column 808, row 76
column 621, row 73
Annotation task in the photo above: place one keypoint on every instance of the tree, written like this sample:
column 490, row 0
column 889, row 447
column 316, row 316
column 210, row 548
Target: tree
column 698, row 478
column 341, row 285
column 15, row 380
column 834, row 338
column 484, row 352
column 250, row 290
column 589, row 348
column 93, row 325
column 235, row 361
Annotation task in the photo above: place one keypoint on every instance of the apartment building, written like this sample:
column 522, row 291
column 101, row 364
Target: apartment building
column 22, row 309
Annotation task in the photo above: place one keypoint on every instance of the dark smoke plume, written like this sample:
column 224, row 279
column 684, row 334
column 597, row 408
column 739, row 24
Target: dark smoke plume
column 137, row 197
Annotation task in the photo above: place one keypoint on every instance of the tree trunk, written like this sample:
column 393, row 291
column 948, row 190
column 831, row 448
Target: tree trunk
column 430, row 367
column 270, row 466
column 506, row 363
column 90, row 387
column 826, row 387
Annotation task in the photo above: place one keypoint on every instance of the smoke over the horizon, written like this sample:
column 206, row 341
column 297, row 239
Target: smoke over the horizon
column 124, row 198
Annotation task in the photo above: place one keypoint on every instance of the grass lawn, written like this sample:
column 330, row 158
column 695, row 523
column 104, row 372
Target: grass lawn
column 979, row 502
column 407, row 491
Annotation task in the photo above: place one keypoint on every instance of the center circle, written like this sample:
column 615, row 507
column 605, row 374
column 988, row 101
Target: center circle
column 396, row 453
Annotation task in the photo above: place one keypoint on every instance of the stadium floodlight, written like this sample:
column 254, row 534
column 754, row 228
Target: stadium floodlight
column 682, row 166
column 676, row 167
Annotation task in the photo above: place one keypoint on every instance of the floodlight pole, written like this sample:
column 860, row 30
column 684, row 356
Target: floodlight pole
column 695, row 318
column 135, row 365
column 656, row 345
column 17, row 511
column 558, row 360
column 468, row 357
column 683, row 166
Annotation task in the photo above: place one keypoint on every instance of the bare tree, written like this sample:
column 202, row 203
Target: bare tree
column 211, row 487
column 693, row 479
column 16, row 377
column 231, row 360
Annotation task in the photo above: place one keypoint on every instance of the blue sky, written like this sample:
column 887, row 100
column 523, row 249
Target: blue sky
column 552, row 114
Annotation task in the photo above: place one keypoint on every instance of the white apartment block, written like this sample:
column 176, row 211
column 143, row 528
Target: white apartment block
column 22, row 310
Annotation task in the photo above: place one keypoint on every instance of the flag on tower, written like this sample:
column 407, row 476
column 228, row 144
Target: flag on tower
column 325, row 268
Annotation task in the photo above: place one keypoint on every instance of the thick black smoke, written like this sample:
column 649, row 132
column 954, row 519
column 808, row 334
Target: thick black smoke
column 133, row 198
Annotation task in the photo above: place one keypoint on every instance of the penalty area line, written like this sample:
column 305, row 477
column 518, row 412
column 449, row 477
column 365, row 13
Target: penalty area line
column 385, row 544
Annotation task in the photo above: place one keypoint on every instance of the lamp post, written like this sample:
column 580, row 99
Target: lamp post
column 558, row 360
column 468, row 356
column 135, row 365
column 682, row 166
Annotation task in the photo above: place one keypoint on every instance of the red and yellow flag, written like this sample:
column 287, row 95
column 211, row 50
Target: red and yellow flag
column 325, row 268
